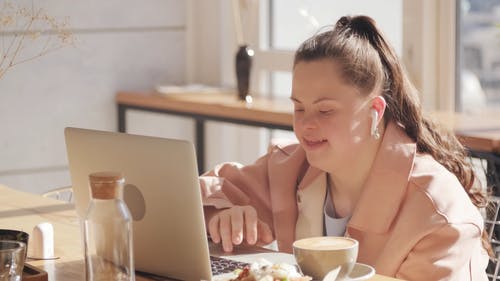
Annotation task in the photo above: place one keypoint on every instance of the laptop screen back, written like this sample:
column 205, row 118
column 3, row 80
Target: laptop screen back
column 162, row 192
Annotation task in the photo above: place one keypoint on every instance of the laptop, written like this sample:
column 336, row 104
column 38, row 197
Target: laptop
column 162, row 193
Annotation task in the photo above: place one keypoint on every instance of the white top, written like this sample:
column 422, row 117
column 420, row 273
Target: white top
column 333, row 226
column 316, row 219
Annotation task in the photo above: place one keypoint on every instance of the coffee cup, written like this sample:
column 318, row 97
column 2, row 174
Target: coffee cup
column 318, row 256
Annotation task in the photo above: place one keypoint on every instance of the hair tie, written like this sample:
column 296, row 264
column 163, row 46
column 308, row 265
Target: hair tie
column 343, row 22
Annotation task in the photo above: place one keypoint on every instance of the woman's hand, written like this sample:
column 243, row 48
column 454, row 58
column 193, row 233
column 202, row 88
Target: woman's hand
column 233, row 225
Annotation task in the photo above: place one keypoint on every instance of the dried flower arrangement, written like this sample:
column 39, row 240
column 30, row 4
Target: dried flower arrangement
column 21, row 27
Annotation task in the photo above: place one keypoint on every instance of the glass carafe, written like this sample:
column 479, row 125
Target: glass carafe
column 108, row 231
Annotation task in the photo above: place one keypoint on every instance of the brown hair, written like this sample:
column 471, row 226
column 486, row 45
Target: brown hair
column 369, row 63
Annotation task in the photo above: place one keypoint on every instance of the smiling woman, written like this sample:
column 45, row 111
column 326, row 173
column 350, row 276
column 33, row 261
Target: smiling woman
column 369, row 165
column 331, row 120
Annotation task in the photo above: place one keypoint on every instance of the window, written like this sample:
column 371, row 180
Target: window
column 284, row 24
column 478, row 47
column 293, row 21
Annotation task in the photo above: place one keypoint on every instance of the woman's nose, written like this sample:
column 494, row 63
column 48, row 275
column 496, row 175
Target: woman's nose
column 308, row 121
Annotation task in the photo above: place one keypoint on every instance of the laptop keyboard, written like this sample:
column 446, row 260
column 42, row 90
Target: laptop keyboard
column 222, row 265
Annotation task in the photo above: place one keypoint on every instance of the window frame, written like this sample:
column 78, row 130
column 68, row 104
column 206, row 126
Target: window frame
column 429, row 50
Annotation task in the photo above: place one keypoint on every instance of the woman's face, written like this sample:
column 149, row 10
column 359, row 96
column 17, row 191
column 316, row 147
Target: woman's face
column 331, row 118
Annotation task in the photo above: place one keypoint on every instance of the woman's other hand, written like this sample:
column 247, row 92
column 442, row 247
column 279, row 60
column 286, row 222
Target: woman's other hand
column 238, row 223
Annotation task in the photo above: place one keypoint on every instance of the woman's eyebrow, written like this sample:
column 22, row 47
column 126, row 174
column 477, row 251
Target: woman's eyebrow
column 325, row 99
column 320, row 100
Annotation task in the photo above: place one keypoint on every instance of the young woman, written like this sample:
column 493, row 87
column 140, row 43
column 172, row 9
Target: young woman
column 368, row 166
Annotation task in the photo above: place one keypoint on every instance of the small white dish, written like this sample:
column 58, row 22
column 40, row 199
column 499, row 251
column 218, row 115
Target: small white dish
column 361, row 272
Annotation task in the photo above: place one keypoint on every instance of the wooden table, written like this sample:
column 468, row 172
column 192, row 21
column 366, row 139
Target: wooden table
column 479, row 132
column 201, row 107
column 22, row 211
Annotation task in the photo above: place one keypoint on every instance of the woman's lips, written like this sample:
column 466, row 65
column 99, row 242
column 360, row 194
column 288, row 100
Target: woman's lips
column 314, row 144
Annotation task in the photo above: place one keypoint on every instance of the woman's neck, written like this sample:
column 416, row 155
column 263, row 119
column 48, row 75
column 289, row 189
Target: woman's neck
column 347, row 182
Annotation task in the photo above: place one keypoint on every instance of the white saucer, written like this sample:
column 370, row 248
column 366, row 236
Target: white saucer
column 361, row 272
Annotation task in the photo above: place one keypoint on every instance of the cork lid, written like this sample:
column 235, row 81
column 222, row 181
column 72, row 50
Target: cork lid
column 106, row 185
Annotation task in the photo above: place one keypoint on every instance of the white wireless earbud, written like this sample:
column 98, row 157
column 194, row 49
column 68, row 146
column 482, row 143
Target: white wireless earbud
column 374, row 130
column 374, row 114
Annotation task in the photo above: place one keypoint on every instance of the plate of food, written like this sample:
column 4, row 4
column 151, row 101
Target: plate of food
column 264, row 270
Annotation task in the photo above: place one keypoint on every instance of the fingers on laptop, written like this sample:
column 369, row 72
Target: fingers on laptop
column 265, row 234
column 251, row 225
column 224, row 230
column 231, row 226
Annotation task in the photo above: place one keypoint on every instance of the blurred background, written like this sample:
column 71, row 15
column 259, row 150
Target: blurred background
column 451, row 48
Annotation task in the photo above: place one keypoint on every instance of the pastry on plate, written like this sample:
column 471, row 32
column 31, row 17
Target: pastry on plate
column 267, row 271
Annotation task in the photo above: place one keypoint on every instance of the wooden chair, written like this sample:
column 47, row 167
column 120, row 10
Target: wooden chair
column 487, row 165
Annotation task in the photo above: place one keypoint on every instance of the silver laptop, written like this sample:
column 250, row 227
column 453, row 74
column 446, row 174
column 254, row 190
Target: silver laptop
column 162, row 192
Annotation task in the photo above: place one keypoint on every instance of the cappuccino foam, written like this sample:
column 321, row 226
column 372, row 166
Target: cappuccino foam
column 324, row 243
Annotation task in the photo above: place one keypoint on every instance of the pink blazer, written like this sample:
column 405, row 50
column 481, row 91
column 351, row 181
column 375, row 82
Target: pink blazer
column 413, row 220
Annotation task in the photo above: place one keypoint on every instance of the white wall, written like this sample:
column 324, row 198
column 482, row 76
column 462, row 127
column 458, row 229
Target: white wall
column 121, row 44
column 211, row 51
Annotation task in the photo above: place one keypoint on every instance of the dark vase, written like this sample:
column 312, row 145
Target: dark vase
column 243, row 67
